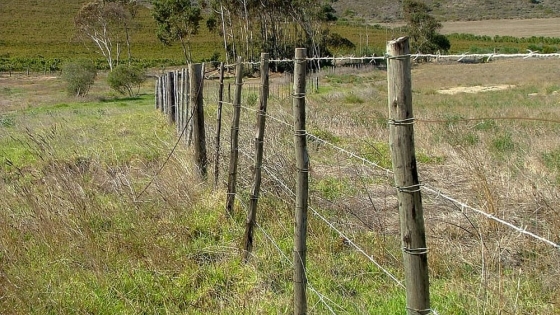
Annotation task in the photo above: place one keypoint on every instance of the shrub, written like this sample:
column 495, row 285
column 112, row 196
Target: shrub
column 79, row 75
column 126, row 79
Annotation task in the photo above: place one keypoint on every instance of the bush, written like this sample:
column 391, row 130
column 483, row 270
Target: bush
column 79, row 75
column 126, row 79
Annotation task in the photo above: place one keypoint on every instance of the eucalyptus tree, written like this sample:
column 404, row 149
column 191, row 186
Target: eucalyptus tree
column 177, row 20
column 102, row 23
column 274, row 26
column 423, row 28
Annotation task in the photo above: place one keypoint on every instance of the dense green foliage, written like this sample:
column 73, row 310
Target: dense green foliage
column 423, row 28
column 126, row 79
column 79, row 76
column 177, row 20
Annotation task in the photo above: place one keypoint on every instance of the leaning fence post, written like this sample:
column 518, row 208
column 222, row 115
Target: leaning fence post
column 302, row 185
column 401, row 142
column 219, row 126
column 259, row 147
column 199, row 135
column 234, row 151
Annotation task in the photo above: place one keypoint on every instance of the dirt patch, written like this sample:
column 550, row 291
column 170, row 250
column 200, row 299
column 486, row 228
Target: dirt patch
column 475, row 89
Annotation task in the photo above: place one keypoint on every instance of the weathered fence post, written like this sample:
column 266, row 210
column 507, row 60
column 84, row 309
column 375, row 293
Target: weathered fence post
column 259, row 147
column 219, row 126
column 234, row 151
column 178, row 98
column 157, row 93
column 163, row 93
column 171, row 97
column 302, row 185
column 401, row 141
column 197, row 101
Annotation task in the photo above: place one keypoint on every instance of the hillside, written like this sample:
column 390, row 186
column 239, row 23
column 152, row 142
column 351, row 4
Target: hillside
column 451, row 10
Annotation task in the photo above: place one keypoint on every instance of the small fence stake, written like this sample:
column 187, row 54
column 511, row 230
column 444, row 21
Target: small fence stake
column 259, row 148
column 234, row 151
column 219, row 126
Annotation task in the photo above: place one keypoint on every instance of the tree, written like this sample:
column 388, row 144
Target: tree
column 128, row 24
column 79, row 76
column 102, row 22
column 423, row 28
column 126, row 79
column 177, row 20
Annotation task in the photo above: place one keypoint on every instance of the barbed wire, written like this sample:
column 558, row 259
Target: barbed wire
column 458, row 57
column 366, row 161
column 464, row 206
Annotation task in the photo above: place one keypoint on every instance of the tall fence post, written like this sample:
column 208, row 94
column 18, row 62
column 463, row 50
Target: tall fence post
column 219, row 126
column 401, row 142
column 259, row 148
column 178, row 100
column 163, row 93
column 302, row 186
column 234, row 151
column 197, row 101
column 170, row 97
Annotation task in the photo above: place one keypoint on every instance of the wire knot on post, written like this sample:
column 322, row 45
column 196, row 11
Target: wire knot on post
column 422, row 312
column 407, row 121
column 400, row 57
column 410, row 189
column 415, row 251
column 299, row 95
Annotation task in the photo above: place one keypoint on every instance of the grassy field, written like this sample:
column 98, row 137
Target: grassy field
column 38, row 35
column 102, row 215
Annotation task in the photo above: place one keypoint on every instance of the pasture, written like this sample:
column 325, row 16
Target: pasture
column 101, row 213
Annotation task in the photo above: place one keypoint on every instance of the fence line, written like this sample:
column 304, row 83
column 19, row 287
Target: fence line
column 458, row 57
column 369, row 163
column 366, row 161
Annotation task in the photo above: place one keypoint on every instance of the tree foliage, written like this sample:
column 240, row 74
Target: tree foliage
column 126, row 79
column 248, row 27
column 107, row 24
column 177, row 20
column 423, row 28
column 79, row 76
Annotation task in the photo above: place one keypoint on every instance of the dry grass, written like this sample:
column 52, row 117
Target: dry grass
column 77, row 236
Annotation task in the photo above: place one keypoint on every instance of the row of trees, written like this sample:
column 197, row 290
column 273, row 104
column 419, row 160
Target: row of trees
column 246, row 27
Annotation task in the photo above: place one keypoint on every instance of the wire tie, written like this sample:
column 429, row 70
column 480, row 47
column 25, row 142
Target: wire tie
column 407, row 121
column 410, row 189
column 298, row 95
column 415, row 251
column 421, row 312
column 300, row 133
column 401, row 57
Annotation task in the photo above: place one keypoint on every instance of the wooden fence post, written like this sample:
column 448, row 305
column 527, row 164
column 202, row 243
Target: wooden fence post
column 219, row 126
column 197, row 101
column 170, row 97
column 259, row 147
column 156, row 92
column 234, row 151
column 163, row 93
column 401, row 143
column 302, row 186
column 178, row 98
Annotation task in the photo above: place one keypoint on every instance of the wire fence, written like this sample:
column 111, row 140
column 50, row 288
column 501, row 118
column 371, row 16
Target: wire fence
column 353, row 196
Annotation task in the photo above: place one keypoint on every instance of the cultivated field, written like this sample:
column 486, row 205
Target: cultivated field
column 102, row 214
column 511, row 27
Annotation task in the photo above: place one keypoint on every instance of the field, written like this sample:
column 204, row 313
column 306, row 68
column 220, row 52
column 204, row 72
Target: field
column 102, row 214
column 517, row 28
